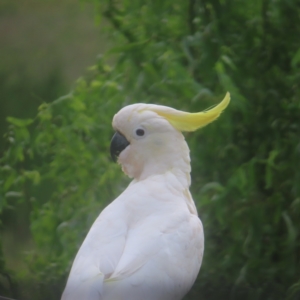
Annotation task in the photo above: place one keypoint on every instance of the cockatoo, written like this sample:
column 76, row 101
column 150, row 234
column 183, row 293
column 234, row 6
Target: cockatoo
column 148, row 243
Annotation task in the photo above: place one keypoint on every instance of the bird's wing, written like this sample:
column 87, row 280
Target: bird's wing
column 163, row 249
column 161, row 259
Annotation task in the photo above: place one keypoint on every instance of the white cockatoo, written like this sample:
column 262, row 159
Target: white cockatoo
column 148, row 243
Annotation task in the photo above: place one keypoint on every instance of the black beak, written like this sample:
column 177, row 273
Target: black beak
column 117, row 145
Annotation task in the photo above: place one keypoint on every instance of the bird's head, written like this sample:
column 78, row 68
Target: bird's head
column 148, row 138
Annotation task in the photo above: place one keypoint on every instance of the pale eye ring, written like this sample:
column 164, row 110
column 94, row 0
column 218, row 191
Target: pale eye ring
column 140, row 132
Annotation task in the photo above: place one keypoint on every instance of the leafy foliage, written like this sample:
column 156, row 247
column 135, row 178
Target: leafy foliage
column 246, row 166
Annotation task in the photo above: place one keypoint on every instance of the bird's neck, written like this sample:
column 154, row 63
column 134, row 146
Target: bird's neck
column 177, row 161
column 177, row 175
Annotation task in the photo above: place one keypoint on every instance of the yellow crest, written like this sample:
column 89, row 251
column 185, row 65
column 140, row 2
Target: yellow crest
column 184, row 121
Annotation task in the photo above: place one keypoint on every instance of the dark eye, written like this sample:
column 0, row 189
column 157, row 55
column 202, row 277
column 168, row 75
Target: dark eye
column 140, row 132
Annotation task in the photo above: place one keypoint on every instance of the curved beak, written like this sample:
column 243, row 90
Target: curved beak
column 117, row 145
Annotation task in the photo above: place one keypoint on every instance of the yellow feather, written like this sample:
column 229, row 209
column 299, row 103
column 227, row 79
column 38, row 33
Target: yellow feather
column 185, row 121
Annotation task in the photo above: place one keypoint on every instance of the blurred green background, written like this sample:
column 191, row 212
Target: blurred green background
column 68, row 66
column 45, row 47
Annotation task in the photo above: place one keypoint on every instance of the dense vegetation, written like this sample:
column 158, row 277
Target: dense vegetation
column 246, row 166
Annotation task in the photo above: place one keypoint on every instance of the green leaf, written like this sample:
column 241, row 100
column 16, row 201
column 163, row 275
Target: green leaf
column 19, row 122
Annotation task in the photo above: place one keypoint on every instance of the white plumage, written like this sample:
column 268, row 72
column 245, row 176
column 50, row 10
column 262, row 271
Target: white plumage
column 148, row 243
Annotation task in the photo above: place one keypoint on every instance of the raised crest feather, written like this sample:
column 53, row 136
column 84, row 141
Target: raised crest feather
column 185, row 121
